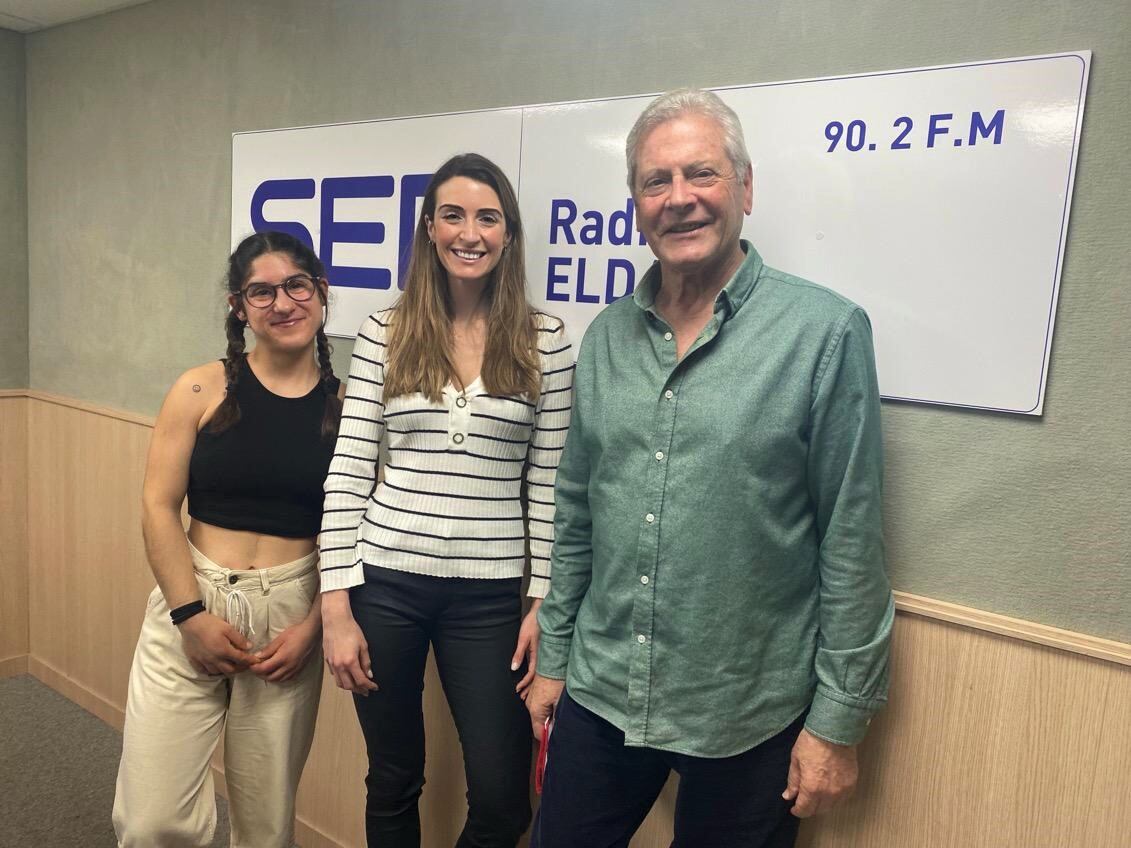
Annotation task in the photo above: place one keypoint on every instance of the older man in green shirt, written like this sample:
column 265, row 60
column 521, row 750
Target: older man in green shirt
column 718, row 603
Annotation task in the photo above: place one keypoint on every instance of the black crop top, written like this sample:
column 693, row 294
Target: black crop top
column 264, row 473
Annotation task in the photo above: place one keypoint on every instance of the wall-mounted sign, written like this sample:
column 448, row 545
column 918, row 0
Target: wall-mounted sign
column 937, row 198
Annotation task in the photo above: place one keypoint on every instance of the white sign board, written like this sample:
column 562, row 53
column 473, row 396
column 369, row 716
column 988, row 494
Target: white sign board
column 936, row 198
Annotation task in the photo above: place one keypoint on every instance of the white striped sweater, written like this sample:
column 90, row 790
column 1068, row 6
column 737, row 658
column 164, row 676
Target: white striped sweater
column 449, row 501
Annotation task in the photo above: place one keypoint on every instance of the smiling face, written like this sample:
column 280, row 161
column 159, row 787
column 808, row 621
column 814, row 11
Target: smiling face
column 690, row 202
column 287, row 323
column 468, row 230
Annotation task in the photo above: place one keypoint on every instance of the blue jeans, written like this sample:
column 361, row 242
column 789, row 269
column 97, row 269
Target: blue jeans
column 596, row 791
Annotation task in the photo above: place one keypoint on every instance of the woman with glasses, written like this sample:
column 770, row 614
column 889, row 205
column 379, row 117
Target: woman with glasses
column 468, row 389
column 230, row 638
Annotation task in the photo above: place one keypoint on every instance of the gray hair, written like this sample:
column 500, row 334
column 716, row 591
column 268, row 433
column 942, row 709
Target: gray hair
column 688, row 101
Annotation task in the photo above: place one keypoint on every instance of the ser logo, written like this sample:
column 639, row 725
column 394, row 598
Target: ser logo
column 333, row 232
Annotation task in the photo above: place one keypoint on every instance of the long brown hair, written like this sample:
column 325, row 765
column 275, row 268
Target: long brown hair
column 239, row 267
column 420, row 337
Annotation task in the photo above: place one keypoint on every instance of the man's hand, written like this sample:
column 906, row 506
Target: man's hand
column 527, row 648
column 820, row 775
column 213, row 646
column 288, row 652
column 541, row 698
column 347, row 652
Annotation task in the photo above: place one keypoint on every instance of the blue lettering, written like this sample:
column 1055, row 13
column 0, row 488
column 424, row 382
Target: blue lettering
column 610, row 279
column 979, row 128
column 554, row 279
column 562, row 215
column 591, row 232
column 582, row 297
column 620, row 225
column 935, row 127
column 281, row 190
column 354, row 232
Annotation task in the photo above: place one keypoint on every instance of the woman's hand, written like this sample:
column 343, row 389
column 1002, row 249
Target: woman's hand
column 215, row 647
column 288, row 652
column 527, row 648
column 347, row 653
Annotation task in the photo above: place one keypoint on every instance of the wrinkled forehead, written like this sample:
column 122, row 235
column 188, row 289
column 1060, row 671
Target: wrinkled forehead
column 681, row 140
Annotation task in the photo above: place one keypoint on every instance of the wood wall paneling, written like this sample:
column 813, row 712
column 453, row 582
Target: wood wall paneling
column 13, row 535
column 990, row 741
column 88, row 570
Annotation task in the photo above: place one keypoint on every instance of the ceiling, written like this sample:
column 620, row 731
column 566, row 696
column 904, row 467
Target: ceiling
column 32, row 15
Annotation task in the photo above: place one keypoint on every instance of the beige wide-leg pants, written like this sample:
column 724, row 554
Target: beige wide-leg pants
column 175, row 715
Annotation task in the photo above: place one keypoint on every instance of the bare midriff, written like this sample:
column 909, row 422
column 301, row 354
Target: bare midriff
column 244, row 549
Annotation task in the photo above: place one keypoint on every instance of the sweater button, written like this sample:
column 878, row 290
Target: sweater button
column 461, row 401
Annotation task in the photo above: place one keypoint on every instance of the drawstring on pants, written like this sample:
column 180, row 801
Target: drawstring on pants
column 237, row 607
column 237, row 611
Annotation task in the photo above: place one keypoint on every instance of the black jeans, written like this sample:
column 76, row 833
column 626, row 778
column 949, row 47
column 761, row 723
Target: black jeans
column 472, row 626
column 596, row 791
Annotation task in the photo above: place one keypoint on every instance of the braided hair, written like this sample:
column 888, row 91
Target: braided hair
column 235, row 360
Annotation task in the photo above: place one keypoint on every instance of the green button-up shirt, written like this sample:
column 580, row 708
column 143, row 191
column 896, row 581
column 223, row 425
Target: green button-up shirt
column 718, row 557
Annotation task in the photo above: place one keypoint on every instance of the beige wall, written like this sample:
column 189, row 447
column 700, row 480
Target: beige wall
column 989, row 742
column 129, row 123
column 13, row 214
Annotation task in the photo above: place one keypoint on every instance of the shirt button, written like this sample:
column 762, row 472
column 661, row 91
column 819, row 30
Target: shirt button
column 667, row 337
column 659, row 456
column 641, row 638
column 644, row 579
column 669, row 394
column 649, row 518
column 461, row 402
column 458, row 438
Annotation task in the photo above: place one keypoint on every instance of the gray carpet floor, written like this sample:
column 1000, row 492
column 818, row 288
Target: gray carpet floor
column 58, row 764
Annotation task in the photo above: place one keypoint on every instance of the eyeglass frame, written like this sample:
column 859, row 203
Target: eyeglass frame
column 242, row 294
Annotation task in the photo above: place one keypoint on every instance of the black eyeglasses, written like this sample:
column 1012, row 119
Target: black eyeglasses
column 300, row 287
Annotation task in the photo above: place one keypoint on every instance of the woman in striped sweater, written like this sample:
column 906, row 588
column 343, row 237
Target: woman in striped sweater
column 468, row 389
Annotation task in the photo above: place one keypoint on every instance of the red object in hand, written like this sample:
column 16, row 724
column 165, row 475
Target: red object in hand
column 543, row 753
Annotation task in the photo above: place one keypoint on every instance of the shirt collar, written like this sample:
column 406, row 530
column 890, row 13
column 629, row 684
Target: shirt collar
column 733, row 295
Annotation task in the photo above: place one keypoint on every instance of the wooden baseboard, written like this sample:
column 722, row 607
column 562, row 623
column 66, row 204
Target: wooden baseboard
column 74, row 691
column 308, row 836
column 11, row 666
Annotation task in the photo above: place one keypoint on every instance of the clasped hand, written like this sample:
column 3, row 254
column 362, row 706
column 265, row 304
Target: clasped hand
column 213, row 646
column 287, row 653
